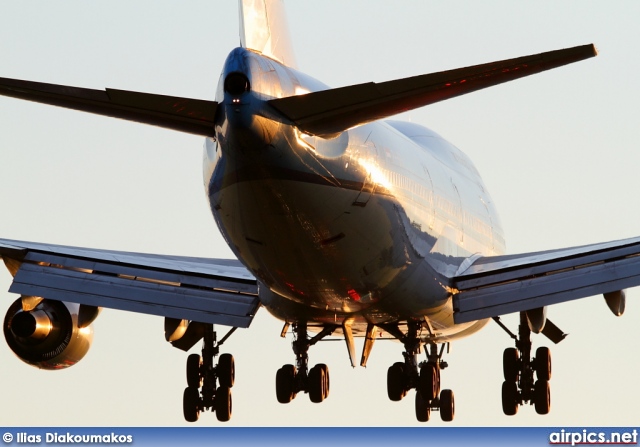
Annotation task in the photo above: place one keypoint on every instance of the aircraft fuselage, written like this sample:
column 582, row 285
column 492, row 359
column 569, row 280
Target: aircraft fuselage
column 366, row 226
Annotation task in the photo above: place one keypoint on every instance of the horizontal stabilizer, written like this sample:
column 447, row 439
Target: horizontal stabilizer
column 193, row 116
column 329, row 112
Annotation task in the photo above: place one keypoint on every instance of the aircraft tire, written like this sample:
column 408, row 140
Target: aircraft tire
column 429, row 383
column 191, row 404
column 510, row 368
column 509, row 398
column 395, row 382
column 223, row 403
column 325, row 368
column 447, row 405
column 316, row 384
column 423, row 411
column 226, row 370
column 285, row 382
column 543, row 363
column 194, row 380
column 542, row 396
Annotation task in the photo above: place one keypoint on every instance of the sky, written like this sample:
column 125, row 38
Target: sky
column 558, row 152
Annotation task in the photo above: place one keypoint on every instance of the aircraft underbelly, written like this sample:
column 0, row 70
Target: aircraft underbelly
column 311, row 244
column 326, row 260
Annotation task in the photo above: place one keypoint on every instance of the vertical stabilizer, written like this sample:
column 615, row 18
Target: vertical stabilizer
column 263, row 28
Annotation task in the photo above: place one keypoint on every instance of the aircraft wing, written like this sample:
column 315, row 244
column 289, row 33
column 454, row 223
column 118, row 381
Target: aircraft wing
column 499, row 285
column 217, row 291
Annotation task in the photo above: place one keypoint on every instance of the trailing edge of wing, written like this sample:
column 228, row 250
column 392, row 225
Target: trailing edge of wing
column 216, row 291
column 499, row 285
column 194, row 116
column 328, row 112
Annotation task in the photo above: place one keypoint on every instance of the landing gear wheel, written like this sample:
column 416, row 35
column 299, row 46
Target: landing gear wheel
column 191, row 404
column 223, row 404
column 510, row 369
column 447, row 405
column 285, row 384
column 423, row 411
column 325, row 368
column 429, row 384
column 542, row 396
column 395, row 382
column 543, row 363
column 316, row 384
column 509, row 398
column 226, row 370
column 194, row 379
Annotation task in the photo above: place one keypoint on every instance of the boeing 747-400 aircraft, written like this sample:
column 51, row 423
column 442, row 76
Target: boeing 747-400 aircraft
column 345, row 223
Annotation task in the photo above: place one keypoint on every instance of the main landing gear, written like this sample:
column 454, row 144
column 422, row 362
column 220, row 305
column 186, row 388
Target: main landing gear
column 423, row 376
column 290, row 379
column 519, row 386
column 201, row 393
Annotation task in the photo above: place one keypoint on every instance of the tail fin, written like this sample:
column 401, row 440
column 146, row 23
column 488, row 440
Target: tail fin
column 264, row 28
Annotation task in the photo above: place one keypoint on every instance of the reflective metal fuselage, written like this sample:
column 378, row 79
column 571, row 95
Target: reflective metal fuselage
column 368, row 226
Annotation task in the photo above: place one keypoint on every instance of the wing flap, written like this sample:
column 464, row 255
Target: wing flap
column 329, row 112
column 143, row 274
column 135, row 296
column 501, row 285
column 196, row 289
column 194, row 116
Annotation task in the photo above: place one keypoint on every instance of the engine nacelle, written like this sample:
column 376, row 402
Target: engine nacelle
column 47, row 336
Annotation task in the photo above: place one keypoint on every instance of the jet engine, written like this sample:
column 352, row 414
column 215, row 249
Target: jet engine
column 49, row 335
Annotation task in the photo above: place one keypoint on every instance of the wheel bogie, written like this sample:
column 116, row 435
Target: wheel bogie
column 447, row 405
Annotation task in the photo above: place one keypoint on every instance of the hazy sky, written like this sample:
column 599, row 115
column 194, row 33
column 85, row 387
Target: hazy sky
column 558, row 151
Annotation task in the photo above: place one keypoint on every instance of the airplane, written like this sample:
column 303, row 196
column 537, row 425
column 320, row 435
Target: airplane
column 357, row 204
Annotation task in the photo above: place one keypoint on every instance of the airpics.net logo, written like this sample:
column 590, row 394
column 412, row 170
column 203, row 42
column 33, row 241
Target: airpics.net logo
column 66, row 438
column 589, row 437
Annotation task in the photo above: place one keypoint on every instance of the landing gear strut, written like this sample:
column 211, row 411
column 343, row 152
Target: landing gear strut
column 202, row 393
column 519, row 386
column 423, row 376
column 290, row 379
